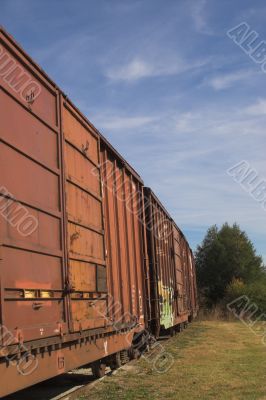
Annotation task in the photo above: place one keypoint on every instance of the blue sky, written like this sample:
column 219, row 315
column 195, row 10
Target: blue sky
column 170, row 90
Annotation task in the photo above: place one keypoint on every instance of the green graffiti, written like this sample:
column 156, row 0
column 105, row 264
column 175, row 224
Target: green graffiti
column 166, row 296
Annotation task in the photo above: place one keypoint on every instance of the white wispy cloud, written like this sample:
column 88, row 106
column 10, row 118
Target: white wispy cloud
column 185, row 122
column 198, row 10
column 198, row 14
column 134, row 70
column 141, row 67
column 121, row 122
column 225, row 81
column 257, row 109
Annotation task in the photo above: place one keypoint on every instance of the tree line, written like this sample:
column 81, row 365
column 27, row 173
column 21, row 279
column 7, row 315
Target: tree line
column 228, row 267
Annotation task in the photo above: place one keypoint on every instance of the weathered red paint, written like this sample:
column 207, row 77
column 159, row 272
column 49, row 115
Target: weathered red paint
column 171, row 269
column 125, row 245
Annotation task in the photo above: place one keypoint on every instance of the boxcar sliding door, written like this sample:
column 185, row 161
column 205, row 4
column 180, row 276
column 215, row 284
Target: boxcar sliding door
column 85, row 233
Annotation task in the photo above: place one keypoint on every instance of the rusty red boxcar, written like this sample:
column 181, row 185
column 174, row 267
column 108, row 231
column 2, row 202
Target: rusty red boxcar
column 171, row 270
column 72, row 290
column 76, row 286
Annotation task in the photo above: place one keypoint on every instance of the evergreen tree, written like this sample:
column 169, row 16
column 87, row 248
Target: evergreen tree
column 226, row 255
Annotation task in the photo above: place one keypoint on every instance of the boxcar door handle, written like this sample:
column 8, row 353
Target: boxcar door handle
column 37, row 306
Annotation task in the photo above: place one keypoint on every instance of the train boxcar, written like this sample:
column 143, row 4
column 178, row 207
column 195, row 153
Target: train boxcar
column 76, row 284
column 71, row 261
column 173, row 298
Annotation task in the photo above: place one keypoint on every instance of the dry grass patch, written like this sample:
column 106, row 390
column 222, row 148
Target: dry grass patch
column 212, row 360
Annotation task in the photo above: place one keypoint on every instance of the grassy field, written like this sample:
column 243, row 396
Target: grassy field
column 212, row 360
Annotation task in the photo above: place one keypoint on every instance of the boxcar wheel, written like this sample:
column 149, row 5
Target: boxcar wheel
column 134, row 354
column 98, row 369
column 116, row 362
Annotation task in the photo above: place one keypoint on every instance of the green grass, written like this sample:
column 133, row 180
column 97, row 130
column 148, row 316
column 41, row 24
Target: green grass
column 212, row 360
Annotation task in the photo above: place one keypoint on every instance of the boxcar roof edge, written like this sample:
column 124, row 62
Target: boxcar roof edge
column 150, row 191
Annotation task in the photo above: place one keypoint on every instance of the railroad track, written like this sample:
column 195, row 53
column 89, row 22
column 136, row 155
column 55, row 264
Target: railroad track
column 64, row 387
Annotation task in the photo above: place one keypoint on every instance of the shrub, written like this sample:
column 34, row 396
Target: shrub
column 255, row 292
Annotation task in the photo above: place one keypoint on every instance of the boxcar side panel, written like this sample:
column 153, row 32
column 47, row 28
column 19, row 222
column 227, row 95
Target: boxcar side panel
column 31, row 221
column 124, row 243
